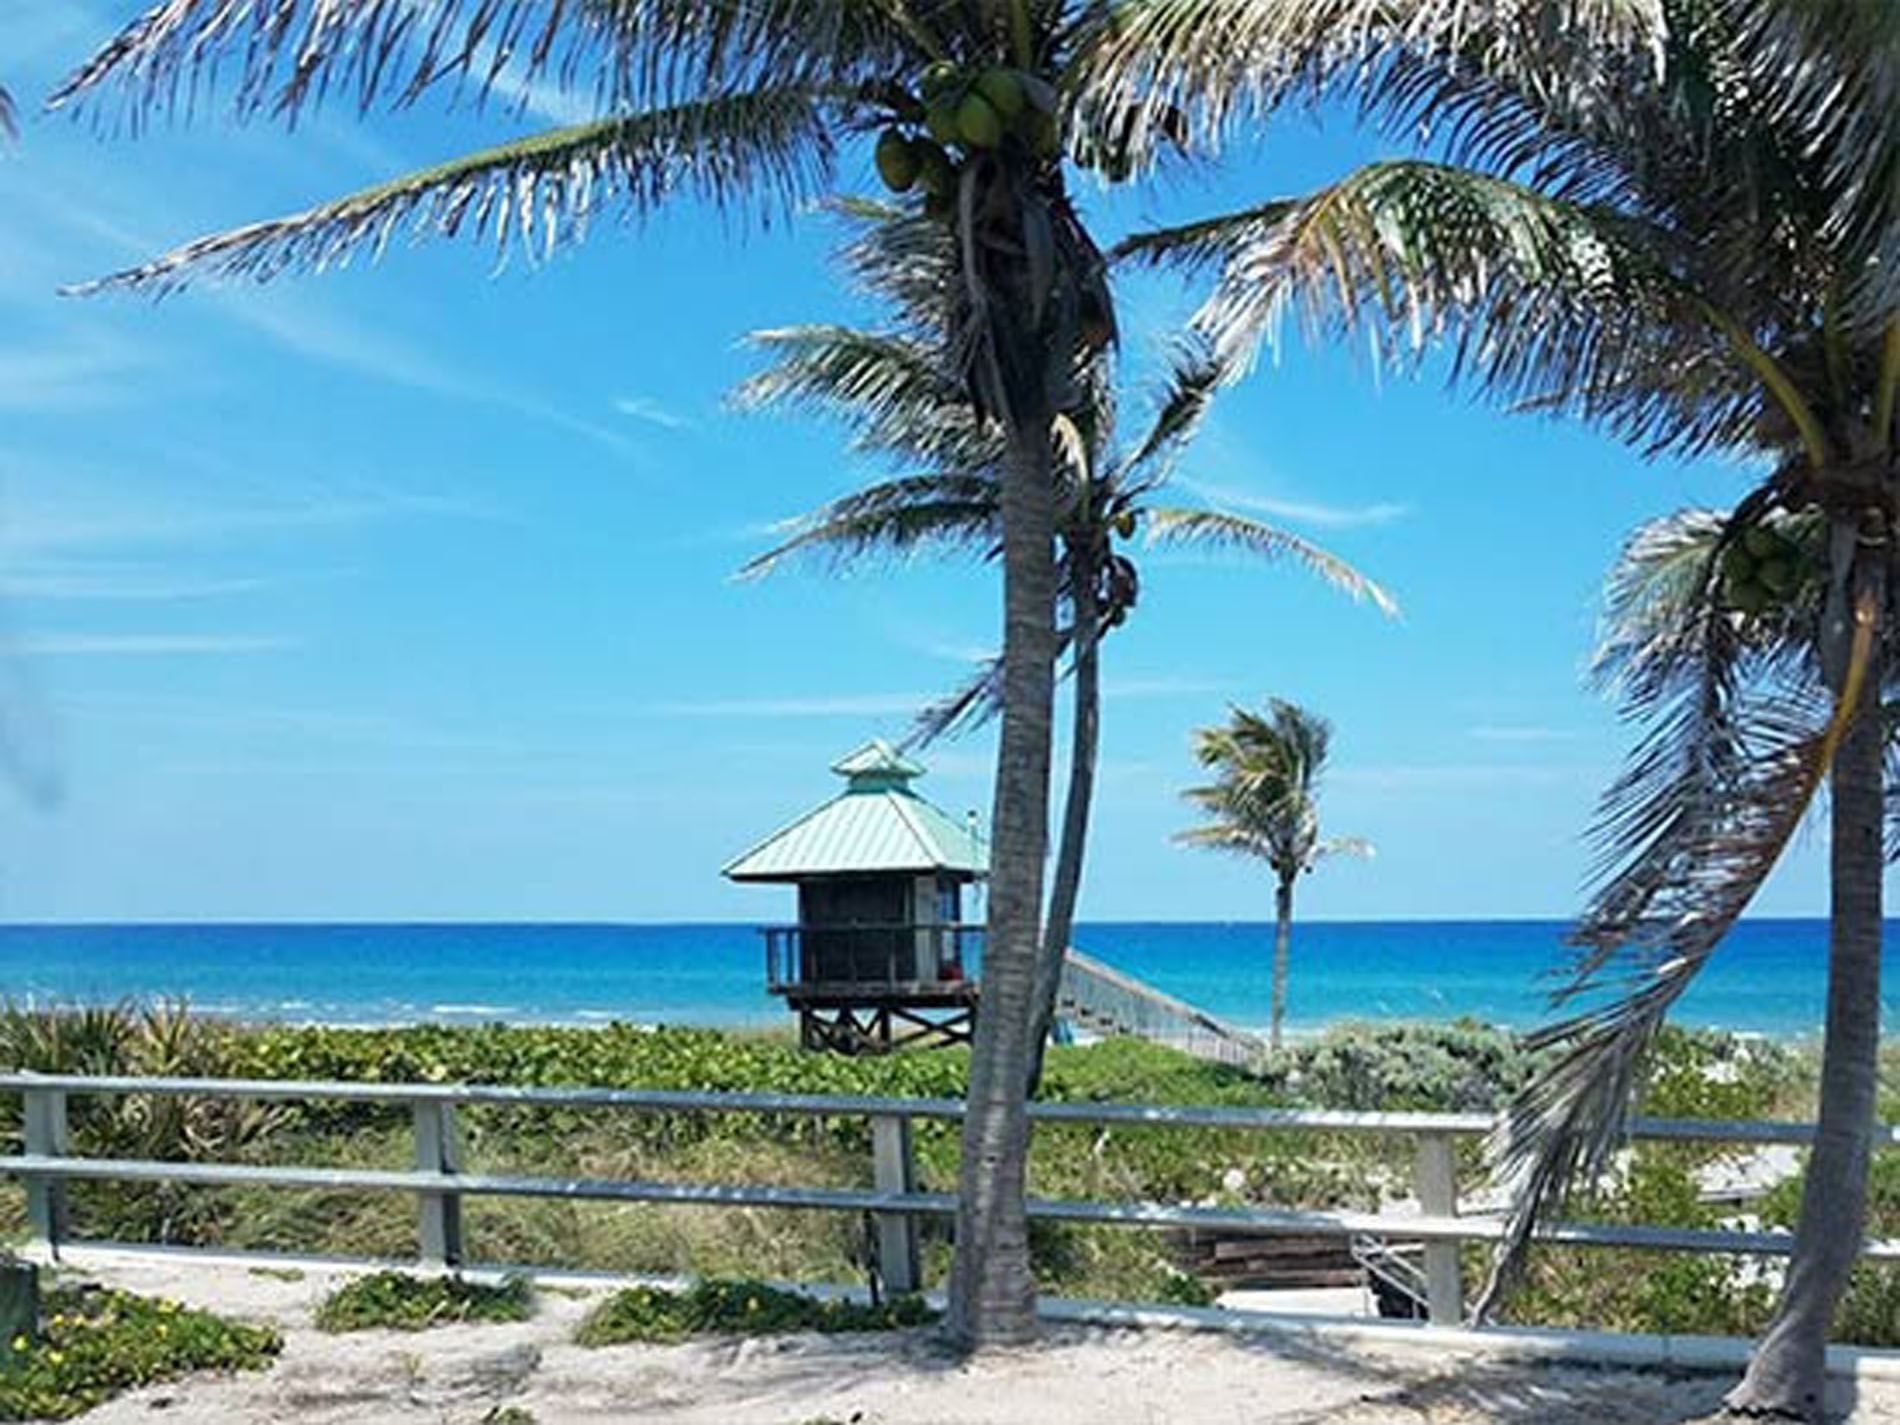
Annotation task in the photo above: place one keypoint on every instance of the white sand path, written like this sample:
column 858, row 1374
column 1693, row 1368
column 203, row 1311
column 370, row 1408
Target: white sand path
column 1078, row 1375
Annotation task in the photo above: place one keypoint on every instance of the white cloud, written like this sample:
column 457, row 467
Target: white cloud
column 63, row 645
column 1453, row 776
column 107, row 582
column 1499, row 733
column 646, row 408
column 1310, row 512
column 847, row 705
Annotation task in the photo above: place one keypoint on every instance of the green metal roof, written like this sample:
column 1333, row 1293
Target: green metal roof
column 877, row 823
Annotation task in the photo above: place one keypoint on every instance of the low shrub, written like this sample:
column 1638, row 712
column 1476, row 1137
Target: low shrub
column 396, row 1301
column 737, row 1308
column 95, row 1343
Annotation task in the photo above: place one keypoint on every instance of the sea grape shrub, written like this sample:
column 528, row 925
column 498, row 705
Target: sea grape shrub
column 738, row 1308
column 1625, row 1290
column 1870, row 1312
column 96, row 1343
column 1462, row 1067
column 398, row 1301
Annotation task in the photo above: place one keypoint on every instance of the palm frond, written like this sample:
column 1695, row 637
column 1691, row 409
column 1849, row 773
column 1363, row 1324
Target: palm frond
column 1356, row 847
column 1689, row 832
column 892, row 389
column 1205, row 242
column 892, row 518
column 1214, row 529
column 769, row 145
column 965, row 708
column 9, row 121
column 1206, row 64
column 1193, row 380
column 1534, row 294
column 1829, row 71
column 284, row 57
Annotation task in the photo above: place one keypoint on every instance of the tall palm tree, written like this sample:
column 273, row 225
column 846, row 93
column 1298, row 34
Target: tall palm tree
column 1692, row 243
column 895, row 388
column 1264, row 803
column 746, row 103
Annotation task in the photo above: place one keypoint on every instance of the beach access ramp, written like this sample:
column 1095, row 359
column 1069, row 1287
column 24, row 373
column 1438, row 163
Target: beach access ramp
column 1102, row 1000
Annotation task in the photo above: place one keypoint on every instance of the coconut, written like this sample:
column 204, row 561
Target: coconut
column 941, row 119
column 1751, row 599
column 978, row 121
column 935, row 171
column 1761, row 541
column 1777, row 576
column 1125, row 524
column 938, row 80
column 1045, row 138
column 1738, row 563
column 897, row 162
column 1004, row 91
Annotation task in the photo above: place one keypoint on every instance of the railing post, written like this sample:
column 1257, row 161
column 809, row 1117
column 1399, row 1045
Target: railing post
column 45, row 1133
column 439, row 1214
column 893, row 1170
column 1436, row 1185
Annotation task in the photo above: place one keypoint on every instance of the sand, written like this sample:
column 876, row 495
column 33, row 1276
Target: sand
column 1076, row 1375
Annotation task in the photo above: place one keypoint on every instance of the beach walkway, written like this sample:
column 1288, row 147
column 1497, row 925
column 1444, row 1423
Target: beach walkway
column 1078, row 1375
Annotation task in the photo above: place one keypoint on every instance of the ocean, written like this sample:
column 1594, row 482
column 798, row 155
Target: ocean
column 1767, row 979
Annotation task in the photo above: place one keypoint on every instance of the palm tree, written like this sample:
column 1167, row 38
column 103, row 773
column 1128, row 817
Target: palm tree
column 744, row 103
column 1264, row 803
column 1691, row 242
column 896, row 389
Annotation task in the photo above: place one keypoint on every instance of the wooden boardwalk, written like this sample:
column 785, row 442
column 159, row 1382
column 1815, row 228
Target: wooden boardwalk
column 1104, row 1001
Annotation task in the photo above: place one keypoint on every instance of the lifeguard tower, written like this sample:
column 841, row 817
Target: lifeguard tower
column 880, row 957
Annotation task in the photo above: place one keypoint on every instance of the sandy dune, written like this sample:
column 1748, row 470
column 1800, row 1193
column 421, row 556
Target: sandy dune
column 1076, row 1376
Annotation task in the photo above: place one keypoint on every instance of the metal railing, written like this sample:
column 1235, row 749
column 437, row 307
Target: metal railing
column 1102, row 999
column 893, row 1203
column 890, row 959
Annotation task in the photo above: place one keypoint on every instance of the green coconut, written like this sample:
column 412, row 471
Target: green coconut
column 941, row 119
column 1125, row 524
column 938, row 80
column 1777, row 576
column 1738, row 563
column 1045, row 138
column 978, row 121
column 935, row 172
column 1003, row 90
column 897, row 162
column 1761, row 541
column 1752, row 599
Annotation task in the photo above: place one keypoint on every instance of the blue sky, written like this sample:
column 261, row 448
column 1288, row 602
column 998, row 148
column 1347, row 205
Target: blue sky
column 404, row 592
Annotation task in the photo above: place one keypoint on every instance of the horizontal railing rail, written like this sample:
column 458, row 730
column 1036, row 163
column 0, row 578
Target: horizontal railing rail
column 874, row 955
column 893, row 1204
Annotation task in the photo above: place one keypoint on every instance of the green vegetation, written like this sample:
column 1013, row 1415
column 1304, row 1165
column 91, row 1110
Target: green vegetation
column 397, row 1301
column 1461, row 1066
column 737, row 1308
column 96, row 1343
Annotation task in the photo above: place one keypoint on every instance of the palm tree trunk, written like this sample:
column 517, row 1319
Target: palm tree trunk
column 1084, row 747
column 1282, row 944
column 992, row 1294
column 1787, row 1374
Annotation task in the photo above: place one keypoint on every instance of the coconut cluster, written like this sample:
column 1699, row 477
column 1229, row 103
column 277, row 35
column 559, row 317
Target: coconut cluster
column 966, row 112
column 1764, row 569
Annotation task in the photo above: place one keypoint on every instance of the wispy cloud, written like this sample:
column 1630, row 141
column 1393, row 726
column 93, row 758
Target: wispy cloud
column 1311, row 512
column 846, row 705
column 117, row 583
column 1442, row 777
column 654, row 412
column 1163, row 686
column 73, row 374
column 63, row 645
column 1528, row 733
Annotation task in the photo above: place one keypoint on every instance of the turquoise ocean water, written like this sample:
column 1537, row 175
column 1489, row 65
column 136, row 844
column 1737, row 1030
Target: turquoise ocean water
column 1768, row 977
